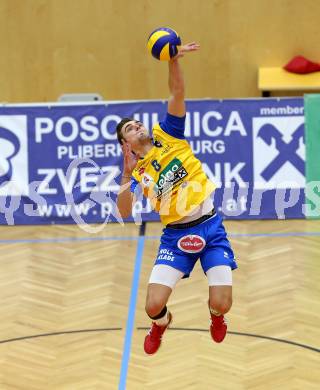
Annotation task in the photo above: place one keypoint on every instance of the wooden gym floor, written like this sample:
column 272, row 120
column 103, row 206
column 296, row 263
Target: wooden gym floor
column 64, row 307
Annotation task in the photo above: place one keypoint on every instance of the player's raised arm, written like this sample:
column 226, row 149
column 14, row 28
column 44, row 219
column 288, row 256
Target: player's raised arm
column 176, row 104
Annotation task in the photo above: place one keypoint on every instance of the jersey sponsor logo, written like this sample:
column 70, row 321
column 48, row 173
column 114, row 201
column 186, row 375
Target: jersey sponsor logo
column 157, row 144
column 166, row 149
column 146, row 180
column 169, row 177
column 191, row 243
column 141, row 171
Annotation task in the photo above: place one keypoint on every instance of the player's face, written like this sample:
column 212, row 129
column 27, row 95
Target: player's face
column 134, row 132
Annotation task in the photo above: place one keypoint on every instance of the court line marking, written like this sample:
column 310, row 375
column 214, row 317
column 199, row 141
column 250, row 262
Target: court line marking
column 309, row 347
column 35, row 336
column 132, row 309
column 136, row 238
column 249, row 335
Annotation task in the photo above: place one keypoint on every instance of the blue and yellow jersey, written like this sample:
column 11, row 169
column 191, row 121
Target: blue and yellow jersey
column 170, row 175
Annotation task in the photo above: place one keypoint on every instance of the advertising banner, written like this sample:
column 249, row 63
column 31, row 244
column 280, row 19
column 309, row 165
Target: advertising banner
column 61, row 163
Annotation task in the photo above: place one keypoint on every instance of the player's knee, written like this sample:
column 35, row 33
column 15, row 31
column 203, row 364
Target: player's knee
column 154, row 306
column 222, row 305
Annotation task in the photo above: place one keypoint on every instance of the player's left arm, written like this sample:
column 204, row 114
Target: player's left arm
column 176, row 103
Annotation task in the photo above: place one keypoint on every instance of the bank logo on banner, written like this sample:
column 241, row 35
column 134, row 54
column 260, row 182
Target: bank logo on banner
column 278, row 152
column 13, row 155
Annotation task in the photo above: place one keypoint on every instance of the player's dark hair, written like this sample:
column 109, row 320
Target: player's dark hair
column 119, row 127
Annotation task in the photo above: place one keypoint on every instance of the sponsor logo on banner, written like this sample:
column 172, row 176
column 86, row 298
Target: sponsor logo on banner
column 191, row 243
column 278, row 152
column 14, row 156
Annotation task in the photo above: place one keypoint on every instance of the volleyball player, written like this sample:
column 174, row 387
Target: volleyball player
column 168, row 173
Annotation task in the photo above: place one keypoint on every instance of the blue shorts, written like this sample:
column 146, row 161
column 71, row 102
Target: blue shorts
column 181, row 248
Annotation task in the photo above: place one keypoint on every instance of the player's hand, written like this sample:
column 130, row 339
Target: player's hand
column 129, row 159
column 189, row 47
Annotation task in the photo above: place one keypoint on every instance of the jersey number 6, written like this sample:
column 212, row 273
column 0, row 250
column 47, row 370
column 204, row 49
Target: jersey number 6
column 156, row 165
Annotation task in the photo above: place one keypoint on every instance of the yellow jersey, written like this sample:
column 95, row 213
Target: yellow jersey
column 170, row 175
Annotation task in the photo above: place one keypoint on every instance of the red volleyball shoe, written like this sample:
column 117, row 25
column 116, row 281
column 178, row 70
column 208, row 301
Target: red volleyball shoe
column 218, row 328
column 152, row 340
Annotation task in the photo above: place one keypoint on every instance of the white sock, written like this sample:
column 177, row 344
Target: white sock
column 163, row 321
column 214, row 312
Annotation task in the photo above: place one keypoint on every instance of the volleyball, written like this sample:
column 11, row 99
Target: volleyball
column 163, row 43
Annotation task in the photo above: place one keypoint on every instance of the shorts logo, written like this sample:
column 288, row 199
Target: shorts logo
column 191, row 243
column 13, row 157
column 165, row 254
column 279, row 152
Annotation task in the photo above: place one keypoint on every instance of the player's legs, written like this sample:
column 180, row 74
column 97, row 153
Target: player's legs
column 163, row 278
column 220, row 288
column 156, row 300
column 218, row 261
column 220, row 299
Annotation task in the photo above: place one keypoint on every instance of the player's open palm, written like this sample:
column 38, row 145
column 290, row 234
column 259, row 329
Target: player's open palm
column 193, row 46
column 129, row 159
